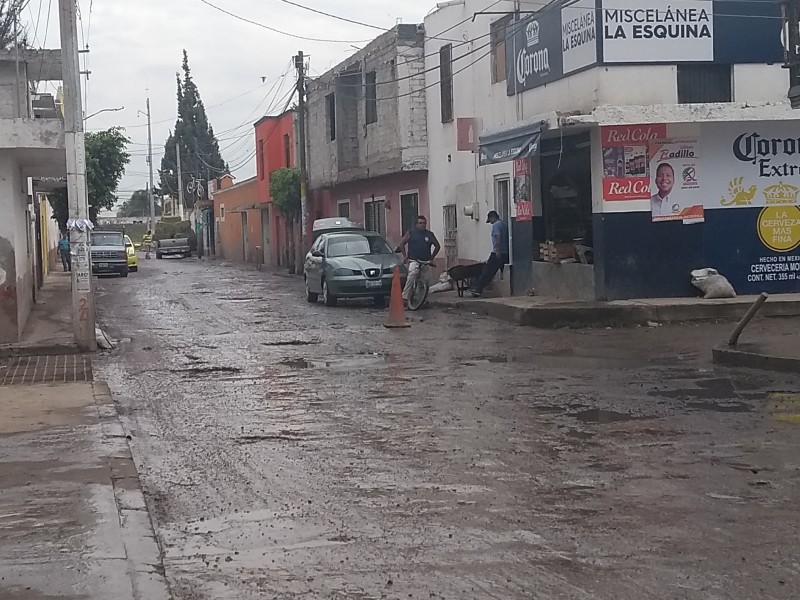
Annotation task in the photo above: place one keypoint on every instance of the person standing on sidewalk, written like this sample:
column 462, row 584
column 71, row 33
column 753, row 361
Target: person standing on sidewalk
column 499, row 256
column 63, row 252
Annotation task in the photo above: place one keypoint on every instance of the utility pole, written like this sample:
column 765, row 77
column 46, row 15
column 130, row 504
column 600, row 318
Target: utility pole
column 150, row 161
column 17, row 110
column 83, row 308
column 180, row 178
column 299, row 63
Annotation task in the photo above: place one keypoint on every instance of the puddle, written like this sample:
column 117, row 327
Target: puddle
column 725, row 407
column 206, row 370
column 343, row 364
column 599, row 415
column 239, row 299
column 285, row 435
column 580, row 435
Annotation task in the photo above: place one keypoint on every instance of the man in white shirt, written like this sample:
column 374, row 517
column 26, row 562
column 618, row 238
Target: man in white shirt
column 660, row 203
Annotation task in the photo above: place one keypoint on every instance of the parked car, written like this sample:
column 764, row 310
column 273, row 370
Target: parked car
column 133, row 259
column 351, row 264
column 330, row 225
column 177, row 246
column 109, row 254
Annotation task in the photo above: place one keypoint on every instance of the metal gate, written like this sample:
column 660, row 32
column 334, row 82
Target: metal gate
column 451, row 235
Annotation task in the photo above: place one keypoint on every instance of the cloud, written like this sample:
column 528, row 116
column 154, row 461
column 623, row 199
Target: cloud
column 136, row 51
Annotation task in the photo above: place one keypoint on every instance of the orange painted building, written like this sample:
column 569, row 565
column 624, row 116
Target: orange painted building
column 275, row 149
column 237, row 216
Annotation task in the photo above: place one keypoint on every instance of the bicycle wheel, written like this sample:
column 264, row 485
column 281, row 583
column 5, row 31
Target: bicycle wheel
column 418, row 295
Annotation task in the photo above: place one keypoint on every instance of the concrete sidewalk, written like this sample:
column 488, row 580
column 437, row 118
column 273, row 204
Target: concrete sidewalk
column 73, row 520
column 49, row 327
column 549, row 313
column 772, row 354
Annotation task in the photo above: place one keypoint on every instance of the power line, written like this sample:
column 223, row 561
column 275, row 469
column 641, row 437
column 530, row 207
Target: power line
column 286, row 33
column 327, row 14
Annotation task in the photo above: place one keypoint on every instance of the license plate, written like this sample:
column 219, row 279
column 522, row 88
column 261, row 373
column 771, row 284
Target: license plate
column 374, row 284
column 102, row 265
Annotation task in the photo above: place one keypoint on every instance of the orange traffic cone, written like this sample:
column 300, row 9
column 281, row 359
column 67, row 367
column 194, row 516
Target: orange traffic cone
column 397, row 313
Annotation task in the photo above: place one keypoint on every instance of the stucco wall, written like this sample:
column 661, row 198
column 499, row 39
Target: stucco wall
column 16, row 279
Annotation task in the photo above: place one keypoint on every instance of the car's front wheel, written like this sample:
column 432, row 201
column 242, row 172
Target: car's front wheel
column 310, row 296
column 327, row 297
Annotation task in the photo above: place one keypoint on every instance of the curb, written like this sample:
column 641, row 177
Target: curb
column 11, row 351
column 735, row 357
column 144, row 553
column 558, row 316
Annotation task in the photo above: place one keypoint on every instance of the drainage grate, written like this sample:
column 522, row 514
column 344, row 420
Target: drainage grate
column 62, row 368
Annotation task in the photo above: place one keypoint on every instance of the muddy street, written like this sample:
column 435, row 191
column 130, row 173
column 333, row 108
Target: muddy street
column 289, row 450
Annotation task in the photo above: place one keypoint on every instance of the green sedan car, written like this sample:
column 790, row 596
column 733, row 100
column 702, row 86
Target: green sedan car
column 353, row 264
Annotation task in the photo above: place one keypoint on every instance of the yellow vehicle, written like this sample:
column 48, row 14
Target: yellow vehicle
column 133, row 259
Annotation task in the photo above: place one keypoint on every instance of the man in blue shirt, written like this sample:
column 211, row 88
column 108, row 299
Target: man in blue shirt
column 63, row 251
column 499, row 256
column 422, row 248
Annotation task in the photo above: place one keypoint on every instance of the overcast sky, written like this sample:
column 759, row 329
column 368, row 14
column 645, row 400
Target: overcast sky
column 136, row 50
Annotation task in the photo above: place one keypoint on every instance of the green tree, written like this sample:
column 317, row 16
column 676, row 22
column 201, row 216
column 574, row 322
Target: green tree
column 284, row 189
column 9, row 9
column 106, row 158
column 139, row 205
column 200, row 155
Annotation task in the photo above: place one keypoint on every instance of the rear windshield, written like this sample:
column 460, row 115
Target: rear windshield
column 107, row 239
column 356, row 245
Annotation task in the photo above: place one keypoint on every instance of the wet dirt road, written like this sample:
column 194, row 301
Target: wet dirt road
column 290, row 450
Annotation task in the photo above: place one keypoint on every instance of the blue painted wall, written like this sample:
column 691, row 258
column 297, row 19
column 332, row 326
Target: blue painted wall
column 636, row 258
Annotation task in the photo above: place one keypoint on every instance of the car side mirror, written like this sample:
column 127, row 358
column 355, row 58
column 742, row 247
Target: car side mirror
column 317, row 254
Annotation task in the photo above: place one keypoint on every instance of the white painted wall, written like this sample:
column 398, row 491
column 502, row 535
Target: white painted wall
column 14, row 228
column 622, row 93
column 760, row 83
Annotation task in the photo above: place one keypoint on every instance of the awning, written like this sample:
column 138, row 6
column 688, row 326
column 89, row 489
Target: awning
column 522, row 142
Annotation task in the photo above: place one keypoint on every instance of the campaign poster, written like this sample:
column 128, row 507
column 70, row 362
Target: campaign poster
column 522, row 190
column 675, row 186
column 626, row 164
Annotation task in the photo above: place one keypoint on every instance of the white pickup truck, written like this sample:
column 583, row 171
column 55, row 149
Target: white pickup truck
column 177, row 246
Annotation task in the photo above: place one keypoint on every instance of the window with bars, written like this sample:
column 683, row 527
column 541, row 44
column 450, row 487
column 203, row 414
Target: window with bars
column 375, row 216
column 700, row 83
column 446, row 82
column 370, row 98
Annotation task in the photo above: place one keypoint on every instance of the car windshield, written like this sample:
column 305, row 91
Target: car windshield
column 357, row 245
column 107, row 239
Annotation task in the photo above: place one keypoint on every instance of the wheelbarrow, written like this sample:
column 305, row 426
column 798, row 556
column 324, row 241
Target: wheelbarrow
column 465, row 276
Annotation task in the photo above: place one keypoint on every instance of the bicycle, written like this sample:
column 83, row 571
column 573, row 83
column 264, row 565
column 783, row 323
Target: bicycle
column 419, row 293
